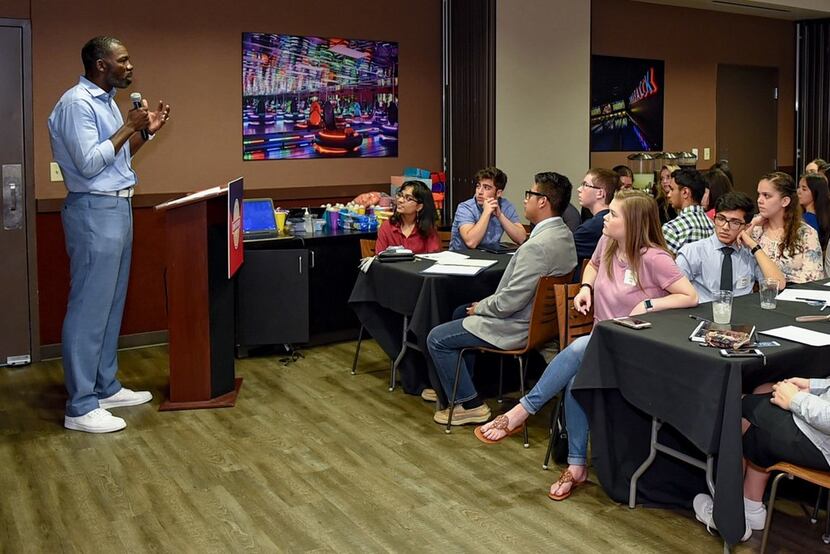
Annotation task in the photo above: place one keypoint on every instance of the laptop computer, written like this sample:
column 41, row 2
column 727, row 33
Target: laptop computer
column 258, row 221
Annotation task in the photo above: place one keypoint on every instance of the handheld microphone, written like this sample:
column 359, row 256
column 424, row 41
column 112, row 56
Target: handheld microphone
column 136, row 98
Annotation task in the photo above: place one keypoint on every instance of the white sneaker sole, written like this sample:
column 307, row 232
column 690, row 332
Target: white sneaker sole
column 86, row 429
column 108, row 404
column 747, row 534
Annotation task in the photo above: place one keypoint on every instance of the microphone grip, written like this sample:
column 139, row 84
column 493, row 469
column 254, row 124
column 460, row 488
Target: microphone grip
column 144, row 134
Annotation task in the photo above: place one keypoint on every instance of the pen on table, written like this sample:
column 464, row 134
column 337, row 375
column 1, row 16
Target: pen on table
column 697, row 317
column 811, row 299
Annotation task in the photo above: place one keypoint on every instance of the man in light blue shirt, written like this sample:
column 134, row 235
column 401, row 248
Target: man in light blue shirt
column 729, row 259
column 483, row 219
column 93, row 146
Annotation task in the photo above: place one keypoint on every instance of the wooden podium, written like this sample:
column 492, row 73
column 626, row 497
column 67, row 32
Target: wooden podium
column 200, row 303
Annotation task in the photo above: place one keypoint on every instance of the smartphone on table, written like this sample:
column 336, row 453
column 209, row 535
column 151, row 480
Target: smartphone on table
column 741, row 353
column 632, row 322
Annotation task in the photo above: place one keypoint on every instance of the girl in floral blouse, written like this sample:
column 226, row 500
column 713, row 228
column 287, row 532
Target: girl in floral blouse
column 782, row 234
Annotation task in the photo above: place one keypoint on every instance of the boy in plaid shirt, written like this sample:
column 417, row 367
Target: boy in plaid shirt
column 691, row 223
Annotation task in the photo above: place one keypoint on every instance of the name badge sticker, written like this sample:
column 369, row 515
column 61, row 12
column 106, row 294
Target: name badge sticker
column 629, row 279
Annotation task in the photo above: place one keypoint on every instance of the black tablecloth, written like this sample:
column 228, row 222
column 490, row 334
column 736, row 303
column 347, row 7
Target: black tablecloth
column 629, row 376
column 389, row 291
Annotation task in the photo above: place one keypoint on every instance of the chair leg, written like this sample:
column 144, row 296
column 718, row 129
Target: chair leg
column 501, row 378
column 826, row 536
column 554, row 417
column 814, row 515
column 455, row 389
column 357, row 350
column 522, row 364
column 770, row 508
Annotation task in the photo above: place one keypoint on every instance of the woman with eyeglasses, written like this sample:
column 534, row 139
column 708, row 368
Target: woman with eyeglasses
column 630, row 273
column 664, row 207
column 781, row 232
column 412, row 224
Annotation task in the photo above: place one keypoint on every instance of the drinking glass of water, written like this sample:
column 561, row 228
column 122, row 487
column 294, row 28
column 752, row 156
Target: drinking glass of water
column 722, row 307
column 768, row 288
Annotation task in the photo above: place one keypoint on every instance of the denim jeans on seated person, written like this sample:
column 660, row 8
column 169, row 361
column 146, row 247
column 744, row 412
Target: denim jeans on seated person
column 559, row 375
column 444, row 343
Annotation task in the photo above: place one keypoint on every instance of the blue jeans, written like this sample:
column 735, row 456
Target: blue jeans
column 559, row 375
column 444, row 343
column 99, row 235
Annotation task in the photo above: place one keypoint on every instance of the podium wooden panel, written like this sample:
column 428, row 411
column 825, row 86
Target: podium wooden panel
column 200, row 305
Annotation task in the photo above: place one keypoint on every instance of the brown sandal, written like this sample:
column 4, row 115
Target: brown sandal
column 501, row 423
column 564, row 478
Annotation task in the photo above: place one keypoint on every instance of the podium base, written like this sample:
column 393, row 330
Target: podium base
column 225, row 401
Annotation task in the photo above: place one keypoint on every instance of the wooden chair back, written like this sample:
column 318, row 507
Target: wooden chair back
column 543, row 315
column 367, row 248
column 572, row 324
column 446, row 237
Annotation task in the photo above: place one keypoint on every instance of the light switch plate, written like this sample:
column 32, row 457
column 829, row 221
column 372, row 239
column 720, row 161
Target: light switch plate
column 707, row 153
column 55, row 172
column 694, row 151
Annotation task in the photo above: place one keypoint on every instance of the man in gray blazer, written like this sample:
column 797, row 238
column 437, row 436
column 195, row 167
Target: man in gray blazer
column 502, row 319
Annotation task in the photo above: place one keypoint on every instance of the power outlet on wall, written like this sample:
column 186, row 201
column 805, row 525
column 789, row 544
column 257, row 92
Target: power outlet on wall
column 55, row 172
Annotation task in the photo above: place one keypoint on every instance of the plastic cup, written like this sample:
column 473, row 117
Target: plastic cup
column 768, row 289
column 280, row 220
column 722, row 307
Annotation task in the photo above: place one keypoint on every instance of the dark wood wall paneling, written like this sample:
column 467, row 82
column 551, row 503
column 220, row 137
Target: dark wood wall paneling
column 813, row 117
column 145, row 310
column 472, row 93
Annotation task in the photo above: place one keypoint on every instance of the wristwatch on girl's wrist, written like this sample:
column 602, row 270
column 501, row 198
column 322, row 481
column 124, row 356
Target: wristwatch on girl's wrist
column 647, row 303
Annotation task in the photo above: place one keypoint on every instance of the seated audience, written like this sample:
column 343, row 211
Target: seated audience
column 501, row 320
column 691, row 224
column 778, row 228
column 626, row 176
column 630, row 273
column 412, row 225
column 729, row 259
column 723, row 166
column 790, row 425
column 717, row 184
column 814, row 197
column 817, row 166
column 662, row 189
column 572, row 217
column 595, row 194
column 483, row 219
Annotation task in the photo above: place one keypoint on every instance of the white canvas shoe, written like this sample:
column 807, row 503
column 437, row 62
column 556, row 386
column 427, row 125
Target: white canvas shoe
column 125, row 397
column 97, row 421
column 703, row 505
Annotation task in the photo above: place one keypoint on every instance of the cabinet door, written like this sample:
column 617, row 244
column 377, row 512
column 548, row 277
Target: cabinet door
column 333, row 273
column 272, row 298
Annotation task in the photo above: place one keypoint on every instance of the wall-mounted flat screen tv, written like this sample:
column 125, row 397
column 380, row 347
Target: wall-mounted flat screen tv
column 313, row 97
column 626, row 104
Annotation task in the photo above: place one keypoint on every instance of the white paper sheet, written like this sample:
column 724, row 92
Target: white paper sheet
column 799, row 334
column 442, row 269
column 798, row 295
column 443, row 257
column 470, row 262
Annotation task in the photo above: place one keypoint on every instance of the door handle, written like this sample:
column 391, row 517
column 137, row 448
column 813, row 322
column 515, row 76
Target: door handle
column 300, row 259
column 13, row 200
column 313, row 259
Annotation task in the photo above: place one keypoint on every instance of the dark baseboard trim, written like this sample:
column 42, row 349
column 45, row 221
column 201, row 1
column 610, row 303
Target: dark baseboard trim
column 137, row 340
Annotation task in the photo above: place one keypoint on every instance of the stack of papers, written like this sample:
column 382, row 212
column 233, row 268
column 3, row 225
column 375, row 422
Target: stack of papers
column 447, row 269
column 804, row 295
column 800, row 335
column 453, row 263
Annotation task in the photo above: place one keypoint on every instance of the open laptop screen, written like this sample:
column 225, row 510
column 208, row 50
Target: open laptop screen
column 258, row 216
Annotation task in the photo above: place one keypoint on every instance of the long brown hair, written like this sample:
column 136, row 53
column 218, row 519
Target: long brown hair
column 785, row 186
column 642, row 231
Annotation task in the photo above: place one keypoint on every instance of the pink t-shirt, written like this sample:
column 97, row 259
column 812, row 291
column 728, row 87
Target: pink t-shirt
column 618, row 296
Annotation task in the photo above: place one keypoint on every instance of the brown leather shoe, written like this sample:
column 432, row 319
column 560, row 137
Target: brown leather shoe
column 462, row 416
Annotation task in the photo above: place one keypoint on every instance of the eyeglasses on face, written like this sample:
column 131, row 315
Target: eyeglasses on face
column 733, row 223
column 586, row 184
column 406, row 197
column 529, row 193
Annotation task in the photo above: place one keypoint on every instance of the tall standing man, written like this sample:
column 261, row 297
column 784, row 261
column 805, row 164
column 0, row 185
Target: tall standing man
column 94, row 146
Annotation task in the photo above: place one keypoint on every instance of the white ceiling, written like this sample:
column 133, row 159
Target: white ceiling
column 778, row 9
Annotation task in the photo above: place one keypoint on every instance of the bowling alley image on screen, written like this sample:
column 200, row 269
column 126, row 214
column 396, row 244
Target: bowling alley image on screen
column 312, row 97
column 626, row 104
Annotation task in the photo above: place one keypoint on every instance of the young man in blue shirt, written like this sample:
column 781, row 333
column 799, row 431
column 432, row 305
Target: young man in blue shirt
column 483, row 219
column 595, row 194
column 729, row 259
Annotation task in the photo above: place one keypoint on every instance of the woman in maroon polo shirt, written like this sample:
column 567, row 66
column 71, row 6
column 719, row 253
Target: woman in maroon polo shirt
column 413, row 223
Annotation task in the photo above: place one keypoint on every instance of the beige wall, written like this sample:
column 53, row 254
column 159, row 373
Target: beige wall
column 14, row 9
column 542, row 93
column 693, row 42
column 188, row 53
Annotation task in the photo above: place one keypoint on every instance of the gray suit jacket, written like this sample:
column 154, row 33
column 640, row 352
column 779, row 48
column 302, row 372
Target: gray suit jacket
column 502, row 319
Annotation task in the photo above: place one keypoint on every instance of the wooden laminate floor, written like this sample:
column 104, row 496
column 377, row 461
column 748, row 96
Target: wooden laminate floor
column 312, row 459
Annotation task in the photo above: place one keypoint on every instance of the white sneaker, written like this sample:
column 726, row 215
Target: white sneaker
column 97, row 421
column 757, row 520
column 703, row 505
column 125, row 397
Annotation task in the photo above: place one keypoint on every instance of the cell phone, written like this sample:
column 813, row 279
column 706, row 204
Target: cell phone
column 742, row 353
column 632, row 323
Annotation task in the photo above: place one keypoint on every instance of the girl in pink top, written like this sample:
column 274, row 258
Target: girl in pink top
column 630, row 273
